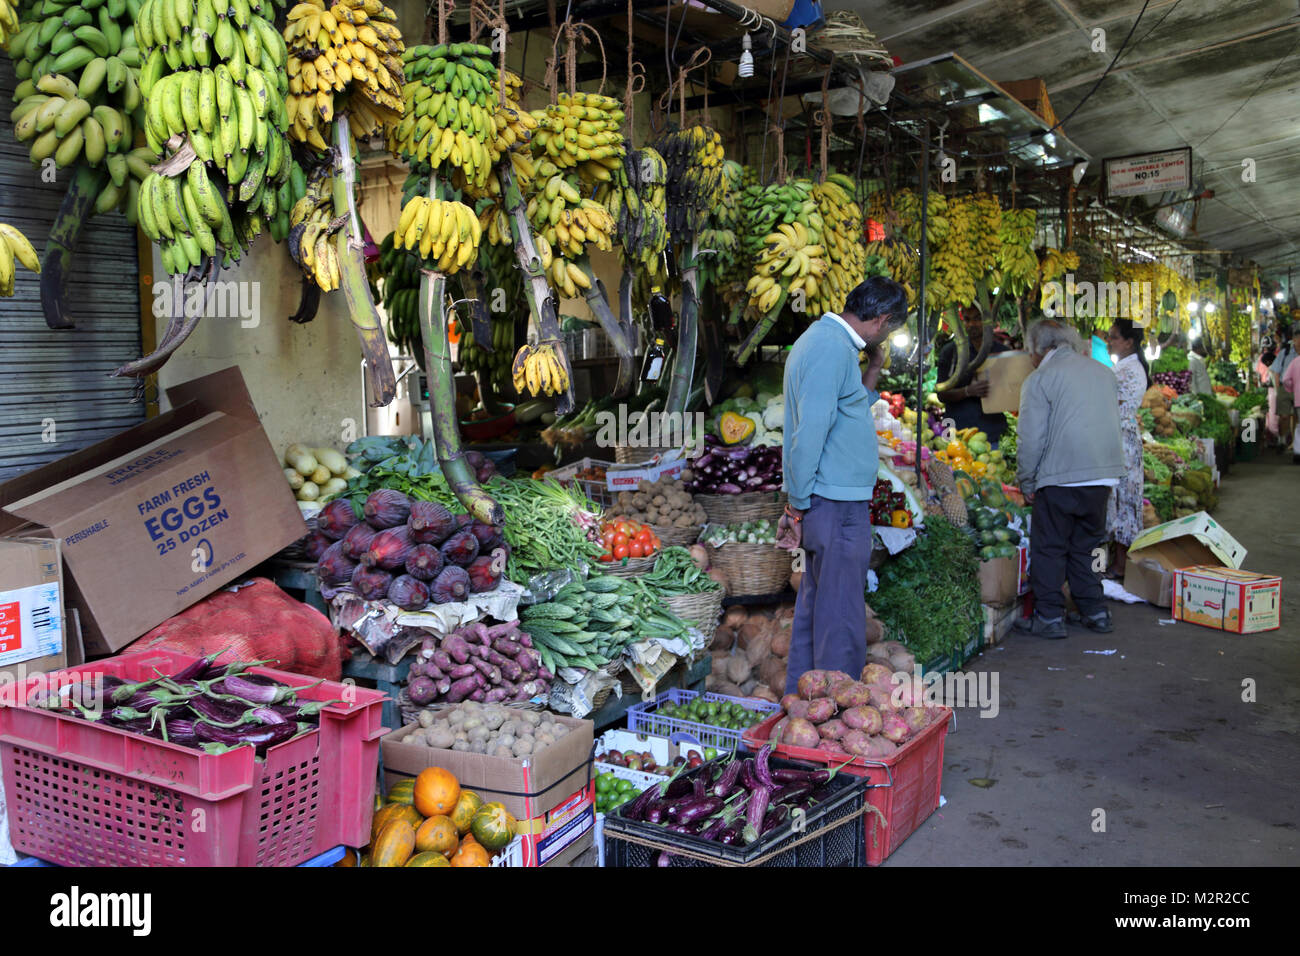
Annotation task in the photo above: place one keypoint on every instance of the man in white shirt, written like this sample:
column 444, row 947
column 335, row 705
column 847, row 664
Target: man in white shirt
column 1201, row 384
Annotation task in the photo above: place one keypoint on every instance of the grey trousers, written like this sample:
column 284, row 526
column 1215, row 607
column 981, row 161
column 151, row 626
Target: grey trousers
column 829, row 631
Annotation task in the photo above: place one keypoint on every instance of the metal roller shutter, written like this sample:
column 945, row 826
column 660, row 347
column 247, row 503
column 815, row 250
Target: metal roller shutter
column 62, row 375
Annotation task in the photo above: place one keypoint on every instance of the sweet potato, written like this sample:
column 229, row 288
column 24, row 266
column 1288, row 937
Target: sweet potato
column 832, row 677
column 882, row 699
column 856, row 743
column 850, row 693
column 822, row 708
column 788, row 700
column 813, row 684
column 795, row 708
column 830, row 746
column 875, row 674
column 801, row 733
column 881, row 747
column 918, row 718
column 832, row 729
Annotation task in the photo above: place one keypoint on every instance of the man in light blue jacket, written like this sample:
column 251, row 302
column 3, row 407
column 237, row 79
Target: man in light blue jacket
column 830, row 473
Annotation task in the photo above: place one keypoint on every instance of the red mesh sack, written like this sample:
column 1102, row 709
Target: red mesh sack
column 254, row 621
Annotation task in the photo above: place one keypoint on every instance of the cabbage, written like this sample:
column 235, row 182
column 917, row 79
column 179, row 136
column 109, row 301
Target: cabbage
column 774, row 416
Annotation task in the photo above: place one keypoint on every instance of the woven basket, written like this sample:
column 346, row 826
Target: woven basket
column 411, row 711
column 749, row 506
column 701, row 609
column 635, row 455
column 752, row 569
column 677, row 537
column 631, row 569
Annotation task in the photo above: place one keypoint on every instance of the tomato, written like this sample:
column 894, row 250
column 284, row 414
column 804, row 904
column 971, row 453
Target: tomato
column 607, row 556
column 621, row 539
column 636, row 549
column 620, row 552
column 607, row 538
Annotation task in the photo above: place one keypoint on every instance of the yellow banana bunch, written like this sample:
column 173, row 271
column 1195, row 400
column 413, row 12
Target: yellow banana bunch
column 540, row 370
column 312, row 225
column 846, row 253
column 953, row 264
column 70, row 128
column 1056, row 264
column 565, row 224
column 697, row 181
column 445, row 234
column 582, row 132
column 449, row 119
column 793, row 261
column 8, row 22
column 345, row 58
column 1017, row 266
column 14, row 250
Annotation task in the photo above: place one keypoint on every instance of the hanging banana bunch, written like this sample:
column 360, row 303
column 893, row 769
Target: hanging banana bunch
column 401, row 289
column 345, row 58
column 1017, row 266
column 312, row 226
column 638, row 201
column 696, row 180
column 582, row 132
column 846, row 254
column 1055, row 264
column 720, row 234
column 215, row 84
column 564, row 222
column 292, row 190
column 952, row 265
column 445, row 234
column 15, row 250
column 78, row 102
column 450, row 110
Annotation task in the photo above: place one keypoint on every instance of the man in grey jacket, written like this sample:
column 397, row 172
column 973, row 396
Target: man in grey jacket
column 1070, row 455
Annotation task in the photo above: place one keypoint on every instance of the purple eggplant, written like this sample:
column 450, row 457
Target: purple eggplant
column 217, row 711
column 194, row 669
column 727, row 783
column 773, row 819
column 792, row 792
column 698, row 809
column 635, row 809
column 260, row 736
column 761, row 770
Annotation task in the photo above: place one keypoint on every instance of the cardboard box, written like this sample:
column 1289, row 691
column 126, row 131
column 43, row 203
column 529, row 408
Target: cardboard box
column 627, row 477
column 32, row 625
column 1184, row 542
column 551, row 794
column 165, row 513
column 1006, row 373
column 999, row 581
column 1032, row 94
column 1240, row 602
column 998, row 621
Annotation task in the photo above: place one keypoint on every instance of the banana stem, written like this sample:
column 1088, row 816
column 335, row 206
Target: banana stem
column 352, row 277
column 538, row 292
column 759, row 332
column 598, row 301
column 442, row 402
column 75, row 209
column 952, row 319
column 688, row 330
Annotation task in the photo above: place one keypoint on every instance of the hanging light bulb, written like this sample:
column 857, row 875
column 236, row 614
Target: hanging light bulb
column 1209, row 307
column 902, row 339
column 1192, row 306
column 746, row 68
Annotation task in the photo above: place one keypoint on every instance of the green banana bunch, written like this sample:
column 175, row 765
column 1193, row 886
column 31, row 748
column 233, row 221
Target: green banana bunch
column 722, row 268
column 213, row 79
column 581, row 132
column 637, row 198
column 502, row 284
column 1016, row 268
column 450, row 100
column 79, row 98
column 290, row 192
column 400, row 271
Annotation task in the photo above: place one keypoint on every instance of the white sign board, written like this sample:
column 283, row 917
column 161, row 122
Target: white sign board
column 1149, row 173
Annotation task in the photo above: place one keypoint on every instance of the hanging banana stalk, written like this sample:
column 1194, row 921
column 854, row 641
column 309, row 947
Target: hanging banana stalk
column 473, row 283
column 76, row 208
column 715, row 354
column 679, row 389
column 759, row 332
column 442, row 402
column 180, row 323
column 308, row 301
column 598, row 302
column 352, row 276
column 538, row 292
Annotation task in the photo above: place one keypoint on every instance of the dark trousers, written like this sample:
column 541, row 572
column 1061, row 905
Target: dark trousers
column 829, row 631
column 1069, row 525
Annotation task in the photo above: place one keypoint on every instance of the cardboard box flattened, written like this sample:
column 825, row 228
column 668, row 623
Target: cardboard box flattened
column 32, row 625
column 176, row 513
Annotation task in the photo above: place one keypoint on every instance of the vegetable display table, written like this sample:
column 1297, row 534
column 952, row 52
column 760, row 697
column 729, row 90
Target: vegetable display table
column 689, row 675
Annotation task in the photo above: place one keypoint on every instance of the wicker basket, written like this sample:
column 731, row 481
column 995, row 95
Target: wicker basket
column 701, row 609
column 636, row 454
column 629, row 568
column 749, row 506
column 677, row 537
column 752, row 569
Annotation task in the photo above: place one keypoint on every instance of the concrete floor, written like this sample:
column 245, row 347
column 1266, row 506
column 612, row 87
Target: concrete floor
column 1156, row 735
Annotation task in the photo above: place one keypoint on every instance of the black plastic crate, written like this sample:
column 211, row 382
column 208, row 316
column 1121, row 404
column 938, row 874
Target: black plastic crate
column 839, row 834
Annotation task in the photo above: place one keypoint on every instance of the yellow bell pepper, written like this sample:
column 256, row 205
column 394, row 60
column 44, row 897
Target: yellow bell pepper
column 900, row 518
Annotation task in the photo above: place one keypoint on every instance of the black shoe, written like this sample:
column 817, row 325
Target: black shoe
column 1295, row 459
column 1052, row 630
column 1099, row 623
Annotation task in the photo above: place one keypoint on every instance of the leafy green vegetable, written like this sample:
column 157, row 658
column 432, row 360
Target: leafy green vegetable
column 1162, row 499
column 1155, row 470
column 1249, row 399
column 1171, row 359
column 1010, row 440
column 929, row 596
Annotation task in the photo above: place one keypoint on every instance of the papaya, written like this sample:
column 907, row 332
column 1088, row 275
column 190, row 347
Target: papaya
column 394, row 811
column 394, row 845
column 735, row 429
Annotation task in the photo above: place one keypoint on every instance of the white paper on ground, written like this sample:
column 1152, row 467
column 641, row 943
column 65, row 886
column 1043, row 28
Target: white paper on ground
column 873, row 582
column 1105, row 653
column 1115, row 591
column 894, row 539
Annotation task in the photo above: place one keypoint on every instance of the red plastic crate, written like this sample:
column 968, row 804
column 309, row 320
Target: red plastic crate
column 80, row 794
column 905, row 785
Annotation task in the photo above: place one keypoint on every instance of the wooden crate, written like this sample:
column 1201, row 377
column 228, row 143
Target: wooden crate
column 1033, row 94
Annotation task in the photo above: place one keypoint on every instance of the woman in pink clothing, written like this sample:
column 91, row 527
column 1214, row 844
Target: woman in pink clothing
column 1290, row 381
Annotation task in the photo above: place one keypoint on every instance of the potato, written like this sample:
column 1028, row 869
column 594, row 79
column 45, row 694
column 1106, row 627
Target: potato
column 530, row 717
column 500, row 751
column 523, row 747
column 505, row 740
column 493, row 719
column 426, row 718
column 820, row 709
column 801, row 733
column 461, row 745
column 457, row 716
column 479, row 733
column 558, row 730
column 478, row 746
column 850, row 693
column 442, row 739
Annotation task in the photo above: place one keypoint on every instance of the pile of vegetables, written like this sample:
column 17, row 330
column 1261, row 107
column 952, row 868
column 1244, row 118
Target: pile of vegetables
column 1180, row 382
column 1157, row 402
column 869, row 717
column 434, row 821
column 676, row 573
column 1161, row 499
column 749, row 651
column 589, row 623
column 1226, row 374
column 889, row 506
column 481, row 664
column 409, row 552
column 1171, row 359
column 929, row 595
column 1154, row 470
column 734, row 802
column 730, row 715
column 1250, row 400
column 316, row 473
column 645, row 761
column 202, row 706
column 664, row 503
column 623, row 538
column 491, row 729
column 1214, row 422
column 1009, row 442
column 387, row 461
column 725, row 470
column 762, row 531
